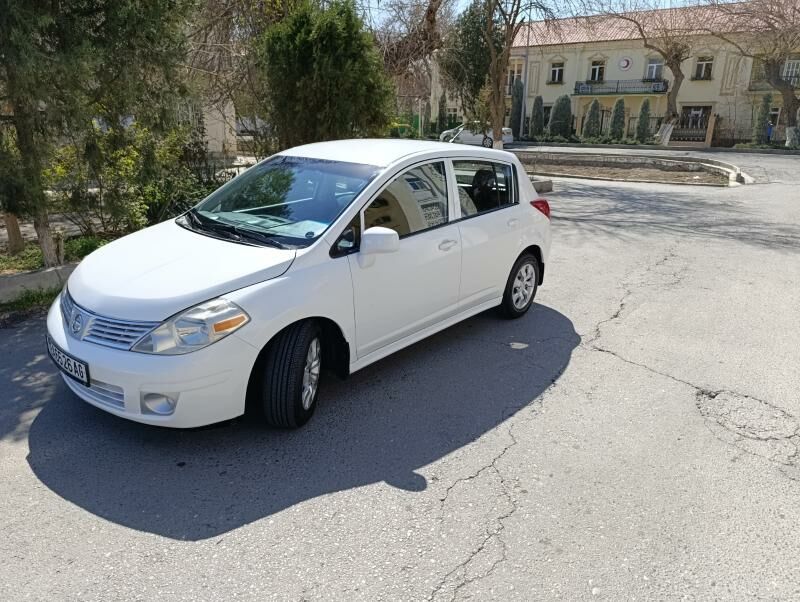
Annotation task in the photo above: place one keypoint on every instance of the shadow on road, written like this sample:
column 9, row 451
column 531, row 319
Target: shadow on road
column 380, row 425
column 710, row 213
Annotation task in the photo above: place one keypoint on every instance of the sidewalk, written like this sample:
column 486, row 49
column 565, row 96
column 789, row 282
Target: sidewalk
column 57, row 221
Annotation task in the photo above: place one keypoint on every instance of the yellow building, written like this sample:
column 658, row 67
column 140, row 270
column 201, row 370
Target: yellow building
column 604, row 58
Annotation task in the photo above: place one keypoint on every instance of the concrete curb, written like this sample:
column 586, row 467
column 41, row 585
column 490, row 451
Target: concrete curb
column 540, row 185
column 671, row 182
column 14, row 285
column 665, row 163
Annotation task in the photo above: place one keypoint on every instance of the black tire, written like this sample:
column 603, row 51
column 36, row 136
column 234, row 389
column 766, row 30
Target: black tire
column 281, row 397
column 487, row 142
column 510, row 309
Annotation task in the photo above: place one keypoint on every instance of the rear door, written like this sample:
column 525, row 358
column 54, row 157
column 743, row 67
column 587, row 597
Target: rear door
column 489, row 225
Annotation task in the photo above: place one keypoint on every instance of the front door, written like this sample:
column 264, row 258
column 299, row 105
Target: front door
column 398, row 294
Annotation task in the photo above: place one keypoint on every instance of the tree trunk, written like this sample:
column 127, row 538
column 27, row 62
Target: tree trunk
column 672, row 95
column 790, row 105
column 33, row 196
column 15, row 241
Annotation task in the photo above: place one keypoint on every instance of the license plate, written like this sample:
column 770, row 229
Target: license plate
column 67, row 364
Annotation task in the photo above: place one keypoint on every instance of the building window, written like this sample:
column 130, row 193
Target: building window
column 514, row 73
column 655, row 68
column 598, row 71
column 452, row 117
column 791, row 71
column 556, row 73
column 546, row 111
column 774, row 115
column 703, row 68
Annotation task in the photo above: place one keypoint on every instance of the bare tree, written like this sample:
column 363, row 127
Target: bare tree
column 505, row 19
column 768, row 31
column 668, row 32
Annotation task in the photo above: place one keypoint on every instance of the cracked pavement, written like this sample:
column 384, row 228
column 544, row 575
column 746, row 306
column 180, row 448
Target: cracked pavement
column 634, row 437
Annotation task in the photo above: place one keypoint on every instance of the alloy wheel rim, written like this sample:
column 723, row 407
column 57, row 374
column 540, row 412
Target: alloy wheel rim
column 311, row 371
column 522, row 289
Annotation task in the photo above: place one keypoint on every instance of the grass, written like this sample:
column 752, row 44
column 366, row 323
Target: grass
column 30, row 258
column 30, row 300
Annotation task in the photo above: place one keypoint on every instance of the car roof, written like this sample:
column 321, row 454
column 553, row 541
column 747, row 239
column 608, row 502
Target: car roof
column 380, row 152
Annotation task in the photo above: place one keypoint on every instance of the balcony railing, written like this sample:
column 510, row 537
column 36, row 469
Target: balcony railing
column 622, row 86
column 762, row 84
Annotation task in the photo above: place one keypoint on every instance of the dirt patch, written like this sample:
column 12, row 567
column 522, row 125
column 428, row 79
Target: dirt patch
column 645, row 174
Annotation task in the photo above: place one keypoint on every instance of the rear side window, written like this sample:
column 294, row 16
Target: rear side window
column 414, row 201
column 484, row 186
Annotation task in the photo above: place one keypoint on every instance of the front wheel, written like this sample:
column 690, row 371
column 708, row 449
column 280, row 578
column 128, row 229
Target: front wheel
column 488, row 142
column 290, row 380
column 521, row 287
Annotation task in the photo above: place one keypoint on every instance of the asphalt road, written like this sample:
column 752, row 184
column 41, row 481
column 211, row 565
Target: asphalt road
column 634, row 437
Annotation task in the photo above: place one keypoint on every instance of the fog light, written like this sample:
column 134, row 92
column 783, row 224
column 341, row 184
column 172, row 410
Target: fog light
column 156, row 403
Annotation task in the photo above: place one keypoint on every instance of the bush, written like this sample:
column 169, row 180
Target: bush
column 118, row 181
column 643, row 123
column 617, row 128
column 561, row 118
column 591, row 127
column 537, row 117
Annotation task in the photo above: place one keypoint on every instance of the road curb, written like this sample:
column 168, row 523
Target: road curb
column 13, row 286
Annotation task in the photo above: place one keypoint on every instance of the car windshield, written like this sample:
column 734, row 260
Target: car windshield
column 284, row 201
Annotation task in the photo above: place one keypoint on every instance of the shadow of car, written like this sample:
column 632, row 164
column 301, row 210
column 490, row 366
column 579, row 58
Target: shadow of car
column 382, row 424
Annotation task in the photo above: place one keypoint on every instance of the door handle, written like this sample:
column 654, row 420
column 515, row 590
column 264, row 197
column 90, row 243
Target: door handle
column 513, row 222
column 448, row 244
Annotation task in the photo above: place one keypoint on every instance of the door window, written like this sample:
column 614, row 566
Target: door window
column 414, row 201
column 483, row 186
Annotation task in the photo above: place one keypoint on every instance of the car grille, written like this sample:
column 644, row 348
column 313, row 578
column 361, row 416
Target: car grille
column 82, row 324
column 100, row 392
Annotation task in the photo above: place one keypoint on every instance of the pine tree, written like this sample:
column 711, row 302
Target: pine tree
column 537, row 117
column 762, row 119
column 517, row 92
column 561, row 117
column 643, row 124
column 591, row 127
column 441, row 118
column 617, row 129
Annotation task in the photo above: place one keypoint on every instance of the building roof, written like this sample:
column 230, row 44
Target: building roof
column 688, row 20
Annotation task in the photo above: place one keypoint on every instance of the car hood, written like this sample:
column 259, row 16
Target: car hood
column 157, row 272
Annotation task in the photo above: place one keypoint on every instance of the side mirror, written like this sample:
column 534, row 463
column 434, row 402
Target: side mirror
column 379, row 240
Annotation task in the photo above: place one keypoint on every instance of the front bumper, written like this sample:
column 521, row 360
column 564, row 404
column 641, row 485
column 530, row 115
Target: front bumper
column 207, row 386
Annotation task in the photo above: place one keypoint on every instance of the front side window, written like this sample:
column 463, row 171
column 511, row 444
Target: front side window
column 414, row 201
column 597, row 72
column 285, row 200
column 703, row 68
column 655, row 68
column 483, row 186
column 557, row 73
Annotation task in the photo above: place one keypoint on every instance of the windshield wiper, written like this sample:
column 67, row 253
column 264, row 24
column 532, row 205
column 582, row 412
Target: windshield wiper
column 259, row 236
column 233, row 231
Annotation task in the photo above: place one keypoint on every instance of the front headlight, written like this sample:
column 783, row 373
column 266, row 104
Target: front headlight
column 194, row 329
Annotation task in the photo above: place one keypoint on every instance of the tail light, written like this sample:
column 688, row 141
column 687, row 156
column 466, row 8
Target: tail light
column 542, row 206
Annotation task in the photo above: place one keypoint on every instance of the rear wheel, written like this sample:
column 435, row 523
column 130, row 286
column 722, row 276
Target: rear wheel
column 521, row 287
column 488, row 142
column 290, row 380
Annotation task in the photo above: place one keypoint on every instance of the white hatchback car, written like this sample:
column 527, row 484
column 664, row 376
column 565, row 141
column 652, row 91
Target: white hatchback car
column 330, row 255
